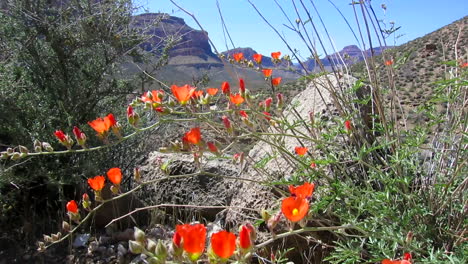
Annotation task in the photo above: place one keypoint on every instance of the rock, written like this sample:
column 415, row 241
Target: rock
column 81, row 240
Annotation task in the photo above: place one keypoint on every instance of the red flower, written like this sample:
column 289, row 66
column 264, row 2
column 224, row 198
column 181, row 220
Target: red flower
column 212, row 147
column 303, row 191
column 294, row 208
column 85, row 197
column 241, row 85
column 267, row 72
column 243, row 114
column 72, row 207
column 193, row 136
column 257, row 58
column 212, row 91
column 347, row 125
column 194, row 237
column 388, row 261
column 313, row 165
column 97, row 183
column 280, row 99
column 407, row 256
column 102, row 125
column 268, row 102
column 223, row 244
column 225, row 88
column 238, row 56
column 301, row 151
column 60, row 135
column 267, row 116
column 154, row 96
column 276, row 55
column 276, row 81
column 176, row 239
column 245, row 240
column 237, row 99
column 464, row 65
column 182, row 93
column 226, row 122
column 388, row 62
column 114, row 175
column 79, row 135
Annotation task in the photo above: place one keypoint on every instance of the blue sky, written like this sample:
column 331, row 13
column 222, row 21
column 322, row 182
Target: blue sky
column 247, row 29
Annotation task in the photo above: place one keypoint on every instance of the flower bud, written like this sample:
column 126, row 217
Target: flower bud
column 280, row 101
column 47, row 147
column 23, row 149
column 139, row 235
column 47, row 239
column 16, row 156
column 268, row 102
column 114, row 189
column 161, row 250
column 10, row 151
column 40, row 246
column 4, row 155
column 65, row 226
column 137, row 174
column 135, row 247
column 55, row 238
column 151, row 245
column 409, row 237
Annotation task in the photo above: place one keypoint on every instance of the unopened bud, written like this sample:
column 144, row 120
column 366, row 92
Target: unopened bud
column 47, row 147
column 65, row 226
column 137, row 174
column 114, row 189
column 4, row 155
column 10, row 151
column 161, row 250
column 151, row 245
column 47, row 239
column 40, row 246
column 55, row 237
column 409, row 237
column 135, row 247
column 139, row 235
column 23, row 149
column 16, row 156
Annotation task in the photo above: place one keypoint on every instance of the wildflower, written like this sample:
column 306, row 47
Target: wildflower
column 226, row 122
column 72, row 207
column 193, row 237
column 79, row 136
column 197, row 94
column 388, row 261
column 245, row 237
column 132, row 116
column 267, row 103
column 347, row 125
column 212, row 147
column 294, row 208
column 177, row 239
column 102, row 125
column 303, row 191
column 276, row 55
column 85, row 201
column 257, row 58
column 236, row 99
column 212, row 91
column 280, row 99
column 238, row 56
column 193, row 136
column 64, row 139
column 267, row 116
column 243, row 114
column 301, row 151
column 114, row 175
column 182, row 93
column 267, row 72
column 276, row 81
column 155, row 96
column 464, row 65
column 313, row 165
column 242, row 86
column 225, row 88
column 223, row 244
column 97, row 183
column 388, row 62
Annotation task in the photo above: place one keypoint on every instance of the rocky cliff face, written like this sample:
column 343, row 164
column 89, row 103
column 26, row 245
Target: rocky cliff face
column 159, row 27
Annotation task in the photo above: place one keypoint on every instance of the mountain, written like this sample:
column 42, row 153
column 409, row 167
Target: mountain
column 350, row 55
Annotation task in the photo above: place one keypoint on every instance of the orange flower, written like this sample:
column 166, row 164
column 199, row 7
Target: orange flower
column 102, row 125
column 114, row 175
column 245, row 240
column 303, row 191
column 193, row 136
column 388, row 261
column 257, row 58
column 301, row 151
column 154, row 96
column 212, row 91
column 276, row 81
column 72, row 207
column 223, row 244
column 197, row 94
column 347, row 125
column 294, row 208
column 238, row 56
column 177, row 239
column 182, row 93
column 193, row 237
column 464, row 65
column 97, row 183
column 388, row 62
column 276, row 55
column 225, row 88
column 267, row 72
column 237, row 99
